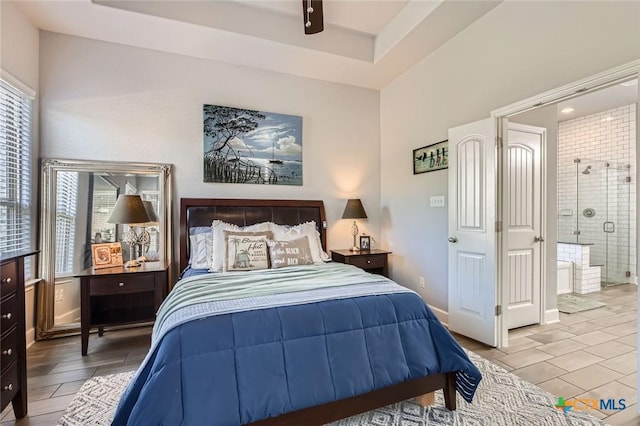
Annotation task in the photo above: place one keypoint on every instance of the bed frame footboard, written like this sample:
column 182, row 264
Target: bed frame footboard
column 359, row 404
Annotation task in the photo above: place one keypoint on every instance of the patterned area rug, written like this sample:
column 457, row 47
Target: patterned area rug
column 501, row 399
column 571, row 303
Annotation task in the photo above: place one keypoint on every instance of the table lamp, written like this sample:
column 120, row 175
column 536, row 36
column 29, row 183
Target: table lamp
column 144, row 239
column 354, row 210
column 129, row 210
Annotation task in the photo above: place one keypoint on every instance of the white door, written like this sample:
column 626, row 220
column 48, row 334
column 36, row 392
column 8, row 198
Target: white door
column 522, row 223
column 472, row 236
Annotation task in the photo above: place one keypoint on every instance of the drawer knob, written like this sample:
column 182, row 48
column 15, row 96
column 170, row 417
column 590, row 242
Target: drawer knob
column 7, row 316
column 8, row 387
column 120, row 284
column 7, row 352
column 368, row 262
column 6, row 280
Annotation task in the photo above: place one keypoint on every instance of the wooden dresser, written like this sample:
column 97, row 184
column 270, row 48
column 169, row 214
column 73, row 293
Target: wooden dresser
column 13, row 349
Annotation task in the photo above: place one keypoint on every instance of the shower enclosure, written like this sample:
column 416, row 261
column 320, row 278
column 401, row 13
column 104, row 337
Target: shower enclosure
column 594, row 202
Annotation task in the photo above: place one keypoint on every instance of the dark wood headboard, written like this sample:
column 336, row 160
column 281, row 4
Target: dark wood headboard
column 243, row 212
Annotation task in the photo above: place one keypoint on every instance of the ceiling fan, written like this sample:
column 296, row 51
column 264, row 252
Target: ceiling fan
column 312, row 14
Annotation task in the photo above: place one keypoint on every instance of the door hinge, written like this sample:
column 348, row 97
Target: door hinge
column 499, row 226
column 627, row 179
column 498, row 310
column 499, row 142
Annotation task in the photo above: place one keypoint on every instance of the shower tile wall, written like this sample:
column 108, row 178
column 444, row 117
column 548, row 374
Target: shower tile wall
column 595, row 139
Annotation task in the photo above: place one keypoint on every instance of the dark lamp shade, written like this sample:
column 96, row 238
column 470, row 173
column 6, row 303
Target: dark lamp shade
column 354, row 210
column 129, row 210
column 148, row 206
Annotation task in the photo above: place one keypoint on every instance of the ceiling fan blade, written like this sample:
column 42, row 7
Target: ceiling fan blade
column 315, row 18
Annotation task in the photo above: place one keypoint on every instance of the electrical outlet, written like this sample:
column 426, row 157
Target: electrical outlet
column 436, row 201
column 421, row 282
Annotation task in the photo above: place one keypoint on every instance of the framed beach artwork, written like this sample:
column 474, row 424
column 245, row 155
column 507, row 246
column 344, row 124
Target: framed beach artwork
column 430, row 158
column 247, row 146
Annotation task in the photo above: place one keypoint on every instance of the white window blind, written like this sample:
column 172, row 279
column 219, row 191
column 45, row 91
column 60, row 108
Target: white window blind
column 66, row 212
column 15, row 166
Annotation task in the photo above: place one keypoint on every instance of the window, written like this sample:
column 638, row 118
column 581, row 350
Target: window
column 15, row 166
column 66, row 209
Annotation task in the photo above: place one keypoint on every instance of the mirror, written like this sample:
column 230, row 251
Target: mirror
column 77, row 200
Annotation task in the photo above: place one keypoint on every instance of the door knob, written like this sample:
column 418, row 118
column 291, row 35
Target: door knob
column 452, row 239
column 537, row 239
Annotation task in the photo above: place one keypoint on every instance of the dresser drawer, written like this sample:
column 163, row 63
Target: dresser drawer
column 8, row 313
column 8, row 349
column 8, row 278
column 9, row 384
column 121, row 284
column 366, row 262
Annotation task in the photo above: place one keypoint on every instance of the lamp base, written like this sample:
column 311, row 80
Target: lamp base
column 354, row 248
column 132, row 264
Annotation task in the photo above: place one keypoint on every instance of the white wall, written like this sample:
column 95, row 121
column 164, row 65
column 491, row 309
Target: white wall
column 517, row 50
column 19, row 55
column 106, row 101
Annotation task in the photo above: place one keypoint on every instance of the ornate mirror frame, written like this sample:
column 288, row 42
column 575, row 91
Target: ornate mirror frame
column 45, row 327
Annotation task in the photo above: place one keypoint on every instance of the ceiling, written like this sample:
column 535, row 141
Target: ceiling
column 615, row 96
column 365, row 43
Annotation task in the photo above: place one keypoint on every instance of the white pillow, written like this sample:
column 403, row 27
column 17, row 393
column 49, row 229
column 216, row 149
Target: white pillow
column 308, row 229
column 218, row 244
column 201, row 246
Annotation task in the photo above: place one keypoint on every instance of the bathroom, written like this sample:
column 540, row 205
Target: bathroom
column 597, row 190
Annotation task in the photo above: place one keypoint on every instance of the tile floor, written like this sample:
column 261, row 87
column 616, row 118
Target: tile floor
column 590, row 354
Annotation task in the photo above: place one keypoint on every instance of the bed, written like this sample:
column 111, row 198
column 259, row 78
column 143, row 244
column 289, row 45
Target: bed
column 301, row 353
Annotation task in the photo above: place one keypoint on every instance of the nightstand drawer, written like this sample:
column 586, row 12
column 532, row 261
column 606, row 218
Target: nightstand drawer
column 8, row 278
column 121, row 284
column 8, row 349
column 8, row 313
column 366, row 262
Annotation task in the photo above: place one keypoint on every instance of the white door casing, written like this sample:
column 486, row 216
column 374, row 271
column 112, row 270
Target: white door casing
column 522, row 223
column 472, row 234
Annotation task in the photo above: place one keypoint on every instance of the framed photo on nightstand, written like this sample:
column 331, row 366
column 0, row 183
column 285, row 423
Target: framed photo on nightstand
column 365, row 243
column 106, row 255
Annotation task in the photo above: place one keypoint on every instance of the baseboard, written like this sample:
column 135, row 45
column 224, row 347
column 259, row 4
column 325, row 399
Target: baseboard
column 551, row 316
column 443, row 316
column 71, row 316
column 30, row 337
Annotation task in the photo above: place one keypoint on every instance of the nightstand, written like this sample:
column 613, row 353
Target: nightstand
column 115, row 296
column 374, row 261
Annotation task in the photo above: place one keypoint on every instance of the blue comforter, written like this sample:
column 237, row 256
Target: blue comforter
column 242, row 366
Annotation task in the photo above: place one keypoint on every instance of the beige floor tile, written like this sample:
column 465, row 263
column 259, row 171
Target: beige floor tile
column 562, row 347
column 625, row 364
column 551, row 336
column 575, row 360
column 612, row 390
column 629, row 380
column 624, row 329
column 539, row 372
column 581, row 328
column 596, row 313
column 594, row 338
column 568, row 319
column 489, row 353
column 520, row 332
column 631, row 340
column 520, row 344
column 591, row 377
column 609, row 349
column 627, row 417
column 524, row 358
column 502, row 364
column 559, row 387
column 615, row 320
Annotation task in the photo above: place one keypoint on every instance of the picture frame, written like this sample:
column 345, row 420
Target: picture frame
column 431, row 157
column 106, row 255
column 365, row 243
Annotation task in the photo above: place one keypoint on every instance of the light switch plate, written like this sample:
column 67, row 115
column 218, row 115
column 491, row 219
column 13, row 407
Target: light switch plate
column 436, row 201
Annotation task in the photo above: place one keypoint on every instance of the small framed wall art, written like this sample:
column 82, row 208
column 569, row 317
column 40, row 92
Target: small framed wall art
column 430, row 158
column 106, row 255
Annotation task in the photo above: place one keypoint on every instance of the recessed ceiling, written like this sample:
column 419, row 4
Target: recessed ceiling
column 365, row 43
column 605, row 99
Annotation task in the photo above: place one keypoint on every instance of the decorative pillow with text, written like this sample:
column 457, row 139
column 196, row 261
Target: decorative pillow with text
column 246, row 251
column 290, row 253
